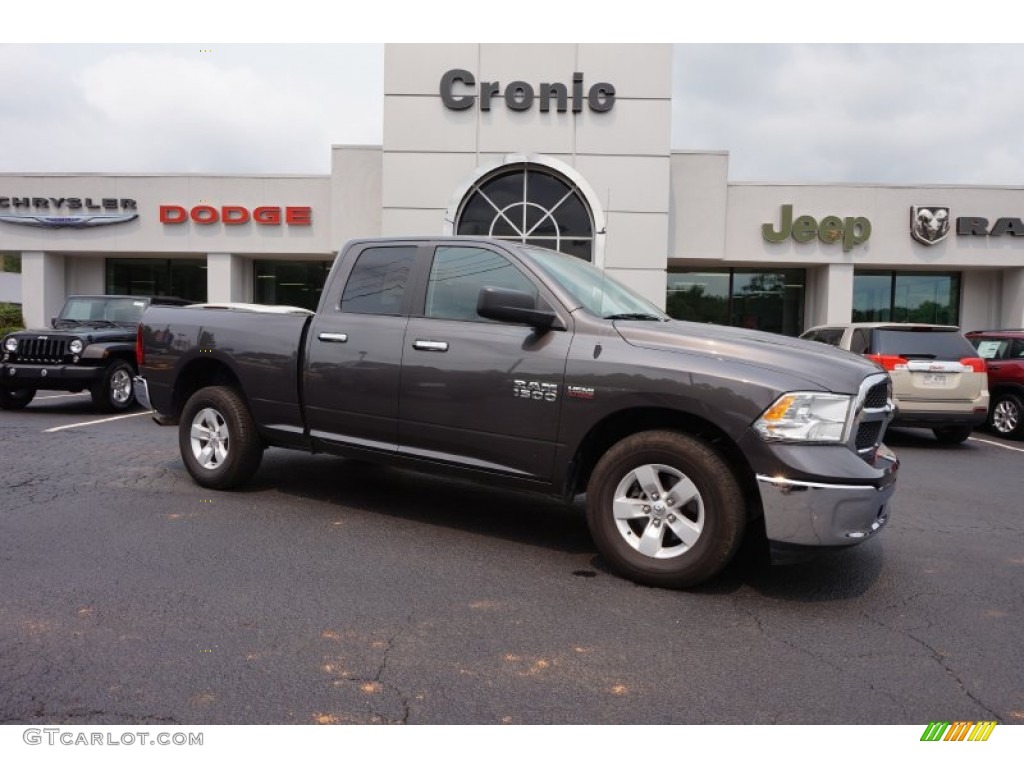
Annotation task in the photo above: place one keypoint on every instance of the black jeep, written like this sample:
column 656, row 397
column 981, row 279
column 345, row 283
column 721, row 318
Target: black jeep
column 91, row 345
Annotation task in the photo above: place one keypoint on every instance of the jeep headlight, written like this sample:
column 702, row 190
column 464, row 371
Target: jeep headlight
column 75, row 347
column 11, row 344
column 813, row 417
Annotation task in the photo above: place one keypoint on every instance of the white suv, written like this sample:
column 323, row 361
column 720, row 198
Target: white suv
column 938, row 379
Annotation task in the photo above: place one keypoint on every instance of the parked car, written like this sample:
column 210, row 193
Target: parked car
column 90, row 345
column 1003, row 351
column 938, row 379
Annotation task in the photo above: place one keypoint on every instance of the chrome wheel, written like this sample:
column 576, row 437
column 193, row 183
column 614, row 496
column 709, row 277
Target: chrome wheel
column 1005, row 417
column 121, row 386
column 658, row 511
column 209, row 438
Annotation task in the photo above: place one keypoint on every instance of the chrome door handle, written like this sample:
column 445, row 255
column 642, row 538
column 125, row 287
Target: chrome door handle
column 430, row 346
column 341, row 338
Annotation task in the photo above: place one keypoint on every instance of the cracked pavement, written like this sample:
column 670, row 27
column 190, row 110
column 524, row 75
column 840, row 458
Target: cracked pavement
column 335, row 592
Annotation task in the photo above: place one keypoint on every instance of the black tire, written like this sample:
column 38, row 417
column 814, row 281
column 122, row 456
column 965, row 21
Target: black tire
column 638, row 534
column 115, row 391
column 15, row 399
column 952, row 435
column 218, row 440
column 1006, row 416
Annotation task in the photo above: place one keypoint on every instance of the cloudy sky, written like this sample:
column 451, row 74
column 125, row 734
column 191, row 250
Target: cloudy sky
column 838, row 112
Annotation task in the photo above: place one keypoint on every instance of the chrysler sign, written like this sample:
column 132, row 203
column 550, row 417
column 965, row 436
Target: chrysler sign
column 46, row 211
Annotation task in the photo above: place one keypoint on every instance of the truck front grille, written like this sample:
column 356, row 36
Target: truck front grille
column 873, row 414
column 34, row 350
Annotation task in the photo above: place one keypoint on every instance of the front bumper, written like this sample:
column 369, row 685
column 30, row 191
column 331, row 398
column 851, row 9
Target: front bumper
column 819, row 514
column 55, row 376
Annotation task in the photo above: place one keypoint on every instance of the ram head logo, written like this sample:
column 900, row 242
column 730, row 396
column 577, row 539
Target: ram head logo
column 929, row 223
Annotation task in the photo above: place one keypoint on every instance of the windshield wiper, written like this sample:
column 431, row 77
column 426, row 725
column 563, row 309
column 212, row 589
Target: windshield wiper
column 633, row 316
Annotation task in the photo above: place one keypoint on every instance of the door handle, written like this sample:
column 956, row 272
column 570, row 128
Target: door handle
column 340, row 338
column 430, row 346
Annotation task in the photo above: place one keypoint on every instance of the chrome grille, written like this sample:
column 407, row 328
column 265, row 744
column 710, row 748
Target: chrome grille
column 867, row 434
column 873, row 412
column 877, row 396
column 37, row 350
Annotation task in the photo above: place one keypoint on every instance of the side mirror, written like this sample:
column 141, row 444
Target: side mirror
column 509, row 306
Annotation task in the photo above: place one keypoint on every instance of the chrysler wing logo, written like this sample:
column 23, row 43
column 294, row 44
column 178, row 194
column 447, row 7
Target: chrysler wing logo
column 929, row 223
column 74, row 222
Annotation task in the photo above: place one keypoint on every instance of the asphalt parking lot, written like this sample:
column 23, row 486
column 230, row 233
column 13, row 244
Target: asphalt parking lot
column 335, row 592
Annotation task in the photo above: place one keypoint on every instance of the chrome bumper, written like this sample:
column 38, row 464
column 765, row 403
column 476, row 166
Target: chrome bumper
column 142, row 392
column 822, row 514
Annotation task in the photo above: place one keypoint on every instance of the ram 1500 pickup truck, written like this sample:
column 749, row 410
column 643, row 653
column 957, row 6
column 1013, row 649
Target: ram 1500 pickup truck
column 523, row 367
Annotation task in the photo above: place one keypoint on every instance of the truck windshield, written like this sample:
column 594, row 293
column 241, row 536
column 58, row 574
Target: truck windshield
column 594, row 289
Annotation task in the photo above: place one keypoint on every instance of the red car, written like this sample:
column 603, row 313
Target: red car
column 1003, row 351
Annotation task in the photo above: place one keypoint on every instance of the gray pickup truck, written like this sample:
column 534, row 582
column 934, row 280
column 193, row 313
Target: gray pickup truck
column 521, row 367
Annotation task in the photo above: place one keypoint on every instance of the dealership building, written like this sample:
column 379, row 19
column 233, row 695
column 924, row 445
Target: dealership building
column 564, row 146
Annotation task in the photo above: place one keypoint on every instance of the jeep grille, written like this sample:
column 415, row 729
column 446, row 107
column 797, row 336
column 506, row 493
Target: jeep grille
column 33, row 350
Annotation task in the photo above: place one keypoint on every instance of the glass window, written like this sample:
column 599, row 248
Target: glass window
column 907, row 297
column 181, row 278
column 766, row 300
column 458, row 274
column 699, row 296
column 826, row 336
column 295, row 283
column 378, row 280
column 532, row 205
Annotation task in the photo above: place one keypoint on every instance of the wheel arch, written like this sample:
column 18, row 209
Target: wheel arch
column 622, row 424
column 203, row 372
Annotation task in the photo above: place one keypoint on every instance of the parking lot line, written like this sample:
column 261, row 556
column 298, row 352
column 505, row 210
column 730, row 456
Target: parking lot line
column 96, row 421
column 69, row 394
column 998, row 445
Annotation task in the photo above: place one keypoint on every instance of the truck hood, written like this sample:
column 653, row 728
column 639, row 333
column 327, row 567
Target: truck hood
column 821, row 365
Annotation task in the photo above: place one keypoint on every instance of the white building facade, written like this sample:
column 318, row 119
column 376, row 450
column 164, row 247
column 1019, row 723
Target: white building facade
column 566, row 146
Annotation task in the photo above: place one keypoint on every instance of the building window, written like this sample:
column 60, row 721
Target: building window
column 529, row 204
column 906, row 297
column 293, row 283
column 182, row 278
column 766, row 300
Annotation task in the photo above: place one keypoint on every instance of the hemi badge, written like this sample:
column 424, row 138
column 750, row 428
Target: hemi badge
column 580, row 393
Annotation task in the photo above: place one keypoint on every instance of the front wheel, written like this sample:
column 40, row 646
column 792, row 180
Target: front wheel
column 952, row 435
column 15, row 399
column 1006, row 417
column 114, row 392
column 218, row 440
column 665, row 509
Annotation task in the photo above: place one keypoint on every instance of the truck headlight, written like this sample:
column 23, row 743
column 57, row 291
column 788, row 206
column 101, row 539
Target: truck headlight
column 75, row 346
column 11, row 344
column 813, row 417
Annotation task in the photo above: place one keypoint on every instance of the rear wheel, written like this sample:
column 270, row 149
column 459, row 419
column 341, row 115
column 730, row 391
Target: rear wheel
column 1006, row 417
column 952, row 435
column 114, row 392
column 15, row 399
column 218, row 440
column 665, row 509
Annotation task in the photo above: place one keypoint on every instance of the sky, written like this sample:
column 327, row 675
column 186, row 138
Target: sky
column 272, row 98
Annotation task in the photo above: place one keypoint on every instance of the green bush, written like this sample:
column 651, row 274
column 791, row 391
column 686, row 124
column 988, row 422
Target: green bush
column 10, row 318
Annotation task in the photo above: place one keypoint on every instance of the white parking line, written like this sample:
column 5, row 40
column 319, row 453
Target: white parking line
column 97, row 421
column 69, row 394
column 998, row 445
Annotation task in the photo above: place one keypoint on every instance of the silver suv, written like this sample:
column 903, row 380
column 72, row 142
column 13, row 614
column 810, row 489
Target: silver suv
column 938, row 379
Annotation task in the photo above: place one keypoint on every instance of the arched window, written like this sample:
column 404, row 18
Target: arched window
column 529, row 204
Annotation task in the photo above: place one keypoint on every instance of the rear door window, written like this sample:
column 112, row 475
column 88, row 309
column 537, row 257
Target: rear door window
column 378, row 281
